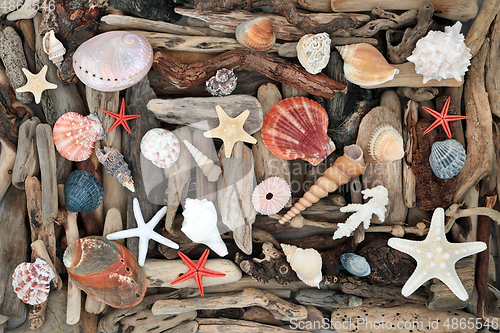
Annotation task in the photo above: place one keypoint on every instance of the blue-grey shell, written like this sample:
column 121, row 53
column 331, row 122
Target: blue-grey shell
column 355, row 264
column 447, row 158
column 82, row 192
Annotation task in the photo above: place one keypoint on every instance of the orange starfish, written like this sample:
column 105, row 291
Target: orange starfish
column 121, row 118
column 442, row 118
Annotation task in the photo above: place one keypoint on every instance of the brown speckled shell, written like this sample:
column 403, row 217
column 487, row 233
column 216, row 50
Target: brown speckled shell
column 31, row 282
column 256, row 34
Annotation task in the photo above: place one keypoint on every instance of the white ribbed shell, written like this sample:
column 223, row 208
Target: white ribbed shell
column 210, row 170
column 306, row 263
column 53, row 48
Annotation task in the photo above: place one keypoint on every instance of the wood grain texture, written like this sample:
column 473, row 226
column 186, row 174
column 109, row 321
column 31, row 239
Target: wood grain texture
column 26, row 163
column 479, row 29
column 225, row 325
column 46, row 149
column 97, row 101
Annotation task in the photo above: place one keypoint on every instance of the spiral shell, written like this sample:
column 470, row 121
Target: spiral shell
column 82, row 192
column 222, row 83
column 355, row 264
column 31, row 282
column 160, row 147
column 386, row 144
column 447, row 158
column 53, row 48
column 211, row 170
column 306, row 263
column 256, row 34
column 313, row 52
column 115, row 165
column 270, row 196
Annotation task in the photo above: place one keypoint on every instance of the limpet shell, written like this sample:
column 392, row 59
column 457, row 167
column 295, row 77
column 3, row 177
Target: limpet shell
column 386, row 144
column 160, row 147
column 447, row 158
column 256, row 34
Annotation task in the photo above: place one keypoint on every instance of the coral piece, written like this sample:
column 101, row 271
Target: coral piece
column 115, row 165
column 53, row 48
column 386, row 144
column 31, row 282
column 222, row 83
column 210, row 170
column 313, row 52
column 355, row 264
column 306, row 263
column 82, row 192
column 36, row 84
column 442, row 118
column 121, row 118
column 296, row 127
column 270, row 196
column 447, row 158
column 436, row 257
column 160, row 147
column 256, row 34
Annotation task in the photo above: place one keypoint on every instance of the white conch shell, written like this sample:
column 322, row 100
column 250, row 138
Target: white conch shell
column 54, row 48
column 306, row 263
column 211, row 170
column 200, row 225
column 313, row 52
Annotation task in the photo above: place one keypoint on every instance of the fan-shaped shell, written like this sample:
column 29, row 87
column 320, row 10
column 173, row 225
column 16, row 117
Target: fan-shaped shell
column 447, row 158
column 113, row 61
column 256, row 34
column 270, row 196
column 355, row 264
column 313, row 52
column 160, row 147
column 306, row 263
column 82, row 192
column 296, row 128
column 53, row 48
column 115, row 165
column 386, row 144
column 106, row 271
column 31, row 282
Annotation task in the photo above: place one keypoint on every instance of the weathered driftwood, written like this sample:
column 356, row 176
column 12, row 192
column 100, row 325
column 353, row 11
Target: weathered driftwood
column 97, row 101
column 409, row 180
column 418, row 94
column 355, row 187
column 477, row 33
column 249, row 282
column 492, row 81
column 145, row 321
column 454, row 212
column 204, row 188
column 26, row 29
column 7, row 161
column 36, row 315
column 47, row 152
column 327, row 299
column 387, row 20
column 26, row 163
column 260, row 315
column 225, row 325
column 189, row 327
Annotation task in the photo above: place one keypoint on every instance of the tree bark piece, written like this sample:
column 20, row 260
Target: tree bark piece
column 409, row 139
column 477, row 33
column 47, row 152
column 225, row 325
column 26, row 163
column 492, row 81
column 327, row 299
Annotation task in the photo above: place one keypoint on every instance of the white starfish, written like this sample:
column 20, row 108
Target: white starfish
column 145, row 232
column 36, row 84
column 436, row 257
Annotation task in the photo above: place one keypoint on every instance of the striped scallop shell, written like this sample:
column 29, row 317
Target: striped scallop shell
column 160, row 147
column 313, row 52
column 31, row 282
column 305, row 263
column 256, row 34
column 447, row 158
column 386, row 144
column 113, row 61
column 296, row 128
column 270, row 196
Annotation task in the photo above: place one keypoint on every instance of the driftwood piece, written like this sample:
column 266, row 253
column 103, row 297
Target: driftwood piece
column 409, row 139
column 145, row 321
column 260, row 315
column 225, row 325
column 189, row 327
column 479, row 29
column 36, row 315
column 97, row 101
column 26, row 29
column 115, row 194
column 492, row 81
column 249, row 282
column 327, row 299
column 7, row 160
column 47, row 152
column 26, row 163
column 157, row 10
column 204, row 188
column 418, row 94
column 387, row 20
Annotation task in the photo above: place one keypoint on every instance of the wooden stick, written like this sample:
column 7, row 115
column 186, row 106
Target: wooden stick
column 189, row 327
column 26, row 163
column 145, row 321
column 454, row 212
column 409, row 136
column 387, row 20
column 47, row 153
column 327, row 299
column 477, row 33
column 98, row 101
column 40, row 251
column 7, row 160
column 355, row 187
column 225, row 325
column 27, row 31
column 492, row 81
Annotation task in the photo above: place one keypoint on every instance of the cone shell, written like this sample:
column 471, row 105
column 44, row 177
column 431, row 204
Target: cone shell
column 106, row 271
column 306, row 263
column 386, row 144
column 355, row 264
column 447, row 158
column 256, row 34
column 53, row 48
column 82, row 192
column 313, row 52
column 75, row 135
column 31, row 282
column 115, row 165
column 364, row 65
column 270, row 196
column 296, row 128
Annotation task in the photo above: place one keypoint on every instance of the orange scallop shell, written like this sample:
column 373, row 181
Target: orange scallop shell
column 296, row 128
column 256, row 34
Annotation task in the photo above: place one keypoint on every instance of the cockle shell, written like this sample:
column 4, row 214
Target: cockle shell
column 31, row 282
column 313, row 52
column 82, row 192
column 160, row 147
column 106, row 271
column 306, row 263
column 115, row 165
column 75, row 135
column 386, row 144
column 53, row 48
column 447, row 158
column 256, row 34
column 222, row 83
column 355, row 264
column 364, row 65
column 296, row 128
column 442, row 55
column 113, row 61
column 270, row 196
column 211, row 170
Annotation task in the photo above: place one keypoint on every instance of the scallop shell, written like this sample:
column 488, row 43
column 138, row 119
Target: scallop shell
column 31, row 282
column 354, row 264
column 115, row 165
column 222, row 83
column 386, row 144
column 296, row 128
column 75, row 135
column 306, row 263
column 447, row 158
column 364, row 65
column 82, row 192
column 106, row 271
column 313, row 52
column 160, row 147
column 113, row 61
column 270, row 196
column 53, row 48
column 256, row 34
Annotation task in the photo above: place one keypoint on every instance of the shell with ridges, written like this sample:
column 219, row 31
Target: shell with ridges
column 53, row 48
column 355, row 264
column 115, row 165
column 386, row 144
column 222, row 83
column 270, row 196
column 256, row 34
column 305, row 263
column 447, row 158
column 82, row 192
column 313, row 52
column 31, row 282
column 207, row 166
column 160, row 147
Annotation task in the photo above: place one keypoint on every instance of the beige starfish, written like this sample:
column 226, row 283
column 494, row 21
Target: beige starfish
column 230, row 130
column 36, row 83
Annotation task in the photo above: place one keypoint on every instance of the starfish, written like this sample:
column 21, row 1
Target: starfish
column 230, row 130
column 442, row 118
column 145, row 232
column 36, row 83
column 196, row 271
column 121, row 118
column 436, row 257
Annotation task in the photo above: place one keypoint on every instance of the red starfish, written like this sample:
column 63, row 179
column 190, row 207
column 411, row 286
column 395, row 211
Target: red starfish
column 196, row 271
column 121, row 118
column 442, row 118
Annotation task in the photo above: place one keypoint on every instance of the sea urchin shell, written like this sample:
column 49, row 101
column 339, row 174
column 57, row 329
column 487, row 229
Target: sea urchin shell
column 31, row 282
column 270, row 196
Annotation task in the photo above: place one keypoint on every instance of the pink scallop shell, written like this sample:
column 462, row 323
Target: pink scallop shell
column 161, row 147
column 270, row 196
column 31, row 282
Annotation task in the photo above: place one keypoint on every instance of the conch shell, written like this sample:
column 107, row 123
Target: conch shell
column 386, row 144
column 53, row 48
column 306, row 263
column 115, row 165
column 256, row 34
column 211, row 170
column 313, row 52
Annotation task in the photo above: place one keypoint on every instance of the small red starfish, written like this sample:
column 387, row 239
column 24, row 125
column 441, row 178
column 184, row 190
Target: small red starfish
column 196, row 271
column 442, row 118
column 121, row 118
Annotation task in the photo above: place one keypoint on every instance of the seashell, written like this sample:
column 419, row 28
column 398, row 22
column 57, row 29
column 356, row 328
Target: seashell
column 306, row 263
column 364, row 65
column 160, row 147
column 31, row 282
column 200, row 225
column 313, row 52
column 106, row 271
column 348, row 166
column 113, row 61
column 256, row 34
column 270, row 196
column 447, row 158
column 115, row 165
column 211, row 170
column 75, row 135
column 386, row 144
column 222, row 83
column 354, row 264
column 82, row 192
column 441, row 55
column 296, row 128
column 53, row 48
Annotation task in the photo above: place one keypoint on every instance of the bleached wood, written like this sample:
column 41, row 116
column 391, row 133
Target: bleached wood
column 47, row 152
column 26, row 163
column 7, row 160
column 477, row 33
column 226, row 325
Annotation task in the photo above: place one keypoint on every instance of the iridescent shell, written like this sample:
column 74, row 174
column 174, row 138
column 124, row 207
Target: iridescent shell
column 306, row 263
column 115, row 165
column 82, row 192
column 75, row 135
column 296, row 128
column 270, row 196
column 256, row 34
column 31, row 282
column 386, row 144
column 354, row 264
column 447, row 158
column 53, row 48
column 113, row 61
column 160, row 147
column 222, row 83
column 313, row 52
column 106, row 271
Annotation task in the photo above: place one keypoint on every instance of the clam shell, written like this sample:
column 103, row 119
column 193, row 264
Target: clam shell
column 386, row 144
column 106, row 271
column 256, row 34
column 270, row 196
column 354, row 264
column 82, row 192
column 296, row 128
column 113, row 61
column 115, row 165
column 31, row 282
column 53, row 48
column 306, row 263
column 160, row 147
column 313, row 52
column 447, row 158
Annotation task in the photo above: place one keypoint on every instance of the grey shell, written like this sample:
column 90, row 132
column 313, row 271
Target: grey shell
column 115, row 165
column 82, row 192
column 223, row 83
column 447, row 158
column 355, row 264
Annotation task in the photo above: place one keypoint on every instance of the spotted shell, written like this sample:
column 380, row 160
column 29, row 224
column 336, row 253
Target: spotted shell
column 115, row 165
column 313, row 52
column 270, row 196
column 53, row 48
column 447, row 158
column 31, row 281
column 160, row 147
column 256, row 34
column 386, row 144
column 355, row 264
column 222, row 83
column 106, row 271
column 296, row 128
column 82, row 192
column 306, row 263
